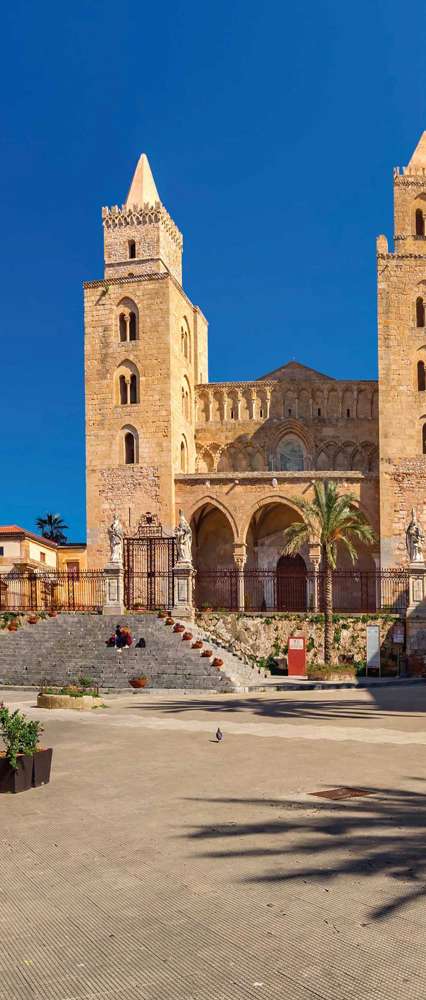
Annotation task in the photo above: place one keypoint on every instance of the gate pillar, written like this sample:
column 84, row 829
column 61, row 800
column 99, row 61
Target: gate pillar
column 183, row 589
column 114, row 590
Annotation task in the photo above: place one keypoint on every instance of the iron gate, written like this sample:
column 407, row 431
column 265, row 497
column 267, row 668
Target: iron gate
column 149, row 558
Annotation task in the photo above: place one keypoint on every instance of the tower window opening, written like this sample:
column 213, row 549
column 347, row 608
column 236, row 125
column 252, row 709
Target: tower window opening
column 132, row 249
column 261, row 412
column 123, row 327
column 421, row 376
column 420, row 222
column 132, row 326
column 420, row 312
column 133, row 389
column 232, row 414
column 123, row 390
column 348, row 413
column 319, row 411
column 129, row 448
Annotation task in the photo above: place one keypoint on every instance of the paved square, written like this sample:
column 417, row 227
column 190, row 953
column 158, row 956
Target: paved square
column 159, row 864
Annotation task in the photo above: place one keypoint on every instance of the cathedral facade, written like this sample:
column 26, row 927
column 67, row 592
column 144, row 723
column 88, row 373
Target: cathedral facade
column 233, row 455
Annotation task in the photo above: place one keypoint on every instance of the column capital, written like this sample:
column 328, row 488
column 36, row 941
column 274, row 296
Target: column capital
column 240, row 555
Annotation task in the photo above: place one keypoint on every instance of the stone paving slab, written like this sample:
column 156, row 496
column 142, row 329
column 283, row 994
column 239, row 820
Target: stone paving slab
column 158, row 864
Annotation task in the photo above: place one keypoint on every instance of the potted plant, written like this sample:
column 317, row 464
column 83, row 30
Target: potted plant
column 197, row 644
column 207, row 652
column 52, row 613
column 169, row 621
column 217, row 662
column 178, row 628
column 138, row 682
column 187, row 636
column 32, row 620
column 24, row 764
column 162, row 614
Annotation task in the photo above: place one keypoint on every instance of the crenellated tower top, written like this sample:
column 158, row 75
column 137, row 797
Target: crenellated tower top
column 141, row 238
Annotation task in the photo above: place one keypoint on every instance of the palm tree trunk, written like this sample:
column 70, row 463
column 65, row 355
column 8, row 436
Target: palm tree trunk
column 328, row 611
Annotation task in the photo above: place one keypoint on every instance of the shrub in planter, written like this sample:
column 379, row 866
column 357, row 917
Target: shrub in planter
column 12, row 627
column 197, row 644
column 217, row 662
column 207, row 652
column 21, row 736
column 32, row 620
column 138, row 682
column 178, row 628
column 187, row 636
column 169, row 621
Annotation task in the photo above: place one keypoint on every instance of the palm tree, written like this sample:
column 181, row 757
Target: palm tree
column 52, row 526
column 330, row 518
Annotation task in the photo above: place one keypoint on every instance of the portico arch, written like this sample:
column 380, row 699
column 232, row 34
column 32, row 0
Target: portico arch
column 273, row 579
column 213, row 540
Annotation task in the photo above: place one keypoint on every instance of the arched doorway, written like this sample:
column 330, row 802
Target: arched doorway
column 291, row 584
column 213, row 558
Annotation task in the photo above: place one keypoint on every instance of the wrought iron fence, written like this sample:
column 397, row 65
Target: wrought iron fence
column 217, row 589
column 266, row 590
column 56, row 591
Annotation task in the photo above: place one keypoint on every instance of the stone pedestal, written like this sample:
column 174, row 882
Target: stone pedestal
column 114, row 590
column 416, row 611
column 183, row 588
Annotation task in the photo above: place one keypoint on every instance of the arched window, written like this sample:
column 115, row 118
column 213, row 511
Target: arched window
column 420, row 222
column 129, row 448
column 132, row 249
column 185, row 340
column 420, row 312
column 424, row 439
column 183, row 456
column 128, row 320
column 123, row 389
column 290, row 455
column 126, row 384
column 421, row 376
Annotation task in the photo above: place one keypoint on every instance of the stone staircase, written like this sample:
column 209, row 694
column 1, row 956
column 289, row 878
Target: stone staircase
column 59, row 650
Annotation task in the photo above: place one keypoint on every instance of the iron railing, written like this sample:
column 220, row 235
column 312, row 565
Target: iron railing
column 354, row 591
column 55, row 591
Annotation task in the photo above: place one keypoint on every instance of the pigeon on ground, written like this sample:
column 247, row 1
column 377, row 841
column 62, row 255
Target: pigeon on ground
column 219, row 735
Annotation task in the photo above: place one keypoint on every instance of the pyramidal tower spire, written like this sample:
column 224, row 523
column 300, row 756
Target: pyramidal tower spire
column 143, row 190
column 418, row 159
column 140, row 238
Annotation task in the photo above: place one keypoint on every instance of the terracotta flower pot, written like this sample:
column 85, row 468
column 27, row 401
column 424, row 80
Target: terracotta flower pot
column 52, row 614
column 169, row 621
column 12, row 627
column 207, row 653
column 32, row 621
column 197, row 644
column 217, row 662
column 138, row 682
column 178, row 628
column 186, row 636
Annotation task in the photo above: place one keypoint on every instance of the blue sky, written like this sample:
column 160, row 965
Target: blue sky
column 271, row 130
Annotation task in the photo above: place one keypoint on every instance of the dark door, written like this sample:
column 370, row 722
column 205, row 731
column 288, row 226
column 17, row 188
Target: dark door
column 148, row 572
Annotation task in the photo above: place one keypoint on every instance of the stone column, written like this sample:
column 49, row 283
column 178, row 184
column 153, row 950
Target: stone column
column 313, row 583
column 240, row 558
column 114, row 590
column 183, row 590
column 253, row 401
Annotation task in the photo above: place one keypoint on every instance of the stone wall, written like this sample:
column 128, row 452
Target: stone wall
column 260, row 636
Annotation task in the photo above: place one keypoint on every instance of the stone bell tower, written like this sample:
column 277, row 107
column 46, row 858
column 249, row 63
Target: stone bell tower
column 145, row 350
column 402, row 360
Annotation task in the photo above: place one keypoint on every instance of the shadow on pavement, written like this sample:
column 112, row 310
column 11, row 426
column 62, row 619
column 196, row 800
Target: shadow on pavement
column 360, row 838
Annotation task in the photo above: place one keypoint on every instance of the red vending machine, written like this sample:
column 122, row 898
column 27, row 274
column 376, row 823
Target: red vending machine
column 296, row 658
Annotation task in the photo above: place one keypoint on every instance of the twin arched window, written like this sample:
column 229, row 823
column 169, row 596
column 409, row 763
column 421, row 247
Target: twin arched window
column 126, row 384
column 127, row 321
column 186, row 400
column 132, row 249
column 419, row 222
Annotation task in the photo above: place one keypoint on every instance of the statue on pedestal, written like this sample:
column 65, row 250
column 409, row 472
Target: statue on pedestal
column 414, row 539
column 116, row 535
column 183, row 535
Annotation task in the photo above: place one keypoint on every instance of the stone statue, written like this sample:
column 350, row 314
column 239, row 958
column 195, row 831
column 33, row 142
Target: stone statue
column 414, row 539
column 183, row 536
column 116, row 535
